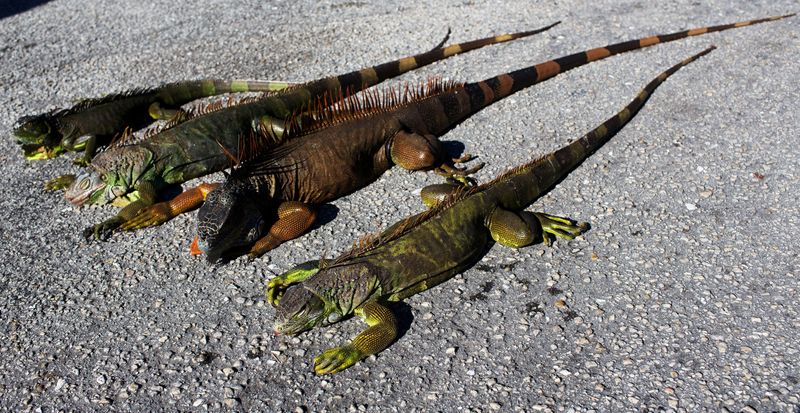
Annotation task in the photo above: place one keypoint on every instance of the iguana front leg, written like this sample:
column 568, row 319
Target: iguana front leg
column 103, row 230
column 294, row 219
column 162, row 212
column 278, row 285
column 61, row 182
column 525, row 228
column 381, row 332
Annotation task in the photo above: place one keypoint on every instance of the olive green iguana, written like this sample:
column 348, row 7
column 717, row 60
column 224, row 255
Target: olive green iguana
column 132, row 175
column 422, row 251
column 272, row 198
column 93, row 123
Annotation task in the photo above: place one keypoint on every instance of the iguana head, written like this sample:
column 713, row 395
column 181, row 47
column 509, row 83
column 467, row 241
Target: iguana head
column 230, row 219
column 299, row 310
column 38, row 135
column 112, row 177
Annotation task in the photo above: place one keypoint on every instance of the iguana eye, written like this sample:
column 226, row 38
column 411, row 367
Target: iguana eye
column 84, row 184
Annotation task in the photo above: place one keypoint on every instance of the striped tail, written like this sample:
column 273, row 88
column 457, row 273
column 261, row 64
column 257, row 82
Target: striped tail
column 491, row 90
column 528, row 182
column 370, row 76
column 180, row 93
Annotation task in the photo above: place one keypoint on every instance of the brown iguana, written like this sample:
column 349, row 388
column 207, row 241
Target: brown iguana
column 92, row 123
column 271, row 199
column 134, row 174
column 422, row 251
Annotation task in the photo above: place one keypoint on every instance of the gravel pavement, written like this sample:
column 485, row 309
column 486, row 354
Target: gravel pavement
column 682, row 297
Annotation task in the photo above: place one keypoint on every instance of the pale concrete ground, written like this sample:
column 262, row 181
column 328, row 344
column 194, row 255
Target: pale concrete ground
column 683, row 296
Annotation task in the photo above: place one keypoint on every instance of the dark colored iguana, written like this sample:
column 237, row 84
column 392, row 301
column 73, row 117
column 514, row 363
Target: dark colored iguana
column 135, row 173
column 271, row 199
column 92, row 123
column 422, row 251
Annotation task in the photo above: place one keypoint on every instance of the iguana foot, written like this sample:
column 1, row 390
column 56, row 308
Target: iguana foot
column 276, row 287
column 560, row 227
column 336, row 359
column 82, row 161
column 103, row 230
column 36, row 153
column 61, row 182
column 462, row 175
column 148, row 217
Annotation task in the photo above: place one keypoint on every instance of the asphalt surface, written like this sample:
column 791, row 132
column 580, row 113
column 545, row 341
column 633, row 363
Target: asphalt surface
column 682, row 297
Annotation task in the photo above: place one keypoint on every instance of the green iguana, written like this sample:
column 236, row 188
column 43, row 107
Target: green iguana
column 422, row 251
column 135, row 173
column 271, row 198
column 92, row 123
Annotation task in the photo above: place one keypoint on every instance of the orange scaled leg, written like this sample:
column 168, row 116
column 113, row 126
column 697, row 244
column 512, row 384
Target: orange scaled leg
column 164, row 211
column 294, row 219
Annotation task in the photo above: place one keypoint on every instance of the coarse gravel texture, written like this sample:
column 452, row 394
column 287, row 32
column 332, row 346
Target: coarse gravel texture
column 682, row 297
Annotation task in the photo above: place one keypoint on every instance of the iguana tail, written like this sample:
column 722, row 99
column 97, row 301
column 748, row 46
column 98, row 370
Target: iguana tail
column 522, row 185
column 490, row 90
column 370, row 76
column 179, row 93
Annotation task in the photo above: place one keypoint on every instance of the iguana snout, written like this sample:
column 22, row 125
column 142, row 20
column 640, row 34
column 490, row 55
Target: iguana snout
column 298, row 310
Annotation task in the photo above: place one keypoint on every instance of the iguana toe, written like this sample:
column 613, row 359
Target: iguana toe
column 61, row 182
column 82, row 161
column 148, row 217
column 275, row 289
column 103, row 230
column 560, row 227
column 336, row 359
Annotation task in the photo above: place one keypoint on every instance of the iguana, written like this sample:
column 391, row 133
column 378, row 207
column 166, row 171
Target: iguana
column 271, row 199
column 92, row 123
column 422, row 251
column 134, row 174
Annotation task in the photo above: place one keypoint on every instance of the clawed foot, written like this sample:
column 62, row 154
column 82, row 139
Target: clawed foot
column 61, row 182
column 82, row 161
column 336, row 359
column 102, row 231
column 275, row 289
column 461, row 175
column 560, row 227
column 147, row 217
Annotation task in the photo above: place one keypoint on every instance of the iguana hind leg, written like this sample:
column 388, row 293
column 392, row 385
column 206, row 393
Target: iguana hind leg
column 381, row 332
column 417, row 152
column 294, row 219
column 518, row 230
column 162, row 212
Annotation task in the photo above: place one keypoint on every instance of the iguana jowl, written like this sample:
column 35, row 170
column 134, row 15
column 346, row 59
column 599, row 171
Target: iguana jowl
column 422, row 251
column 92, row 123
column 271, row 199
column 135, row 173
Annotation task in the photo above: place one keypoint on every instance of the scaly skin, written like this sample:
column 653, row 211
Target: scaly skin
column 92, row 123
column 353, row 150
column 203, row 144
column 425, row 250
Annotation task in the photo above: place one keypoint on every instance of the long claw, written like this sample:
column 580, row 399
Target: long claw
column 466, row 158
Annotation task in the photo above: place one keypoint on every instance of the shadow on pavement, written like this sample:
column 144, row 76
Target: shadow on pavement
column 9, row 8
